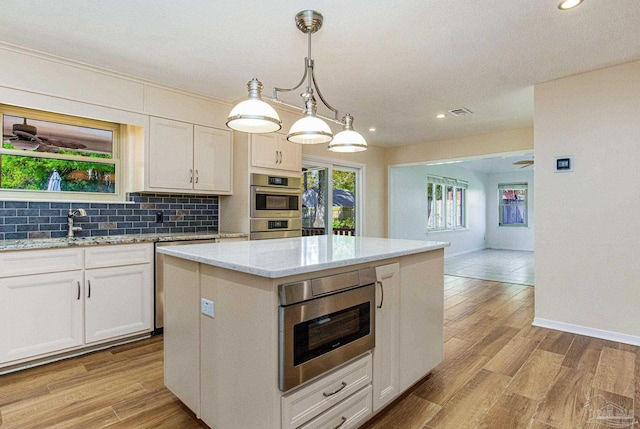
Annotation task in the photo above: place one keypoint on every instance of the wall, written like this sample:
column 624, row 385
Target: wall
column 463, row 147
column 510, row 237
column 43, row 219
column 587, row 224
column 374, row 184
column 408, row 206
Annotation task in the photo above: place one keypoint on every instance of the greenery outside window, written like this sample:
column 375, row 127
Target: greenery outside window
column 446, row 203
column 512, row 204
column 58, row 157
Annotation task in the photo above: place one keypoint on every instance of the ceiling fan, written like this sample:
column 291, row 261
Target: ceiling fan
column 26, row 137
column 524, row 163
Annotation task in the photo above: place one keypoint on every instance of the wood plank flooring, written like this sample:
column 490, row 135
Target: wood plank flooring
column 499, row 372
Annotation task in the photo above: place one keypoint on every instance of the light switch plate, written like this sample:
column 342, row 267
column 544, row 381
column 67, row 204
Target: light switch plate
column 207, row 307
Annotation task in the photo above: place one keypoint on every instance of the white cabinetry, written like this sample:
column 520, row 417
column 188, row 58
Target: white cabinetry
column 386, row 360
column 273, row 151
column 117, row 292
column 40, row 314
column 49, row 298
column 188, row 158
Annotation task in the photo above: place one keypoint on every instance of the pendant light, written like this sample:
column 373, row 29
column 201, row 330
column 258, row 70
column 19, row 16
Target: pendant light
column 254, row 115
column 310, row 129
column 348, row 140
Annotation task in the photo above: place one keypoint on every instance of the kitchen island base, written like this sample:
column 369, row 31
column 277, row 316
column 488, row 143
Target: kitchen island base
column 225, row 368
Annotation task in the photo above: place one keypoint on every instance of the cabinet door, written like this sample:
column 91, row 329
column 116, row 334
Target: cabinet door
column 264, row 150
column 40, row 314
column 386, row 362
column 212, row 158
column 170, row 154
column 290, row 155
column 117, row 301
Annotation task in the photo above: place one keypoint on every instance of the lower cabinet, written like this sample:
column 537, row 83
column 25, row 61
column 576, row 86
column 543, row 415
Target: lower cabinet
column 40, row 314
column 117, row 302
column 386, row 354
column 72, row 305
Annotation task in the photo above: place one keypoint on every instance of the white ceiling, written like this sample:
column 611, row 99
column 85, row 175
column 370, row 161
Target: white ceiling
column 393, row 65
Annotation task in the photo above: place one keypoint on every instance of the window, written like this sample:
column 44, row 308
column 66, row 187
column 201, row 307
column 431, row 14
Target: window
column 512, row 204
column 446, row 203
column 330, row 199
column 53, row 156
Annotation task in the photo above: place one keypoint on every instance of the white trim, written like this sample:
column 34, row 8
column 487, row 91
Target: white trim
column 463, row 158
column 464, row 252
column 589, row 332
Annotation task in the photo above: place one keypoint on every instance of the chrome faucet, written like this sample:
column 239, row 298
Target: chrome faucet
column 71, row 230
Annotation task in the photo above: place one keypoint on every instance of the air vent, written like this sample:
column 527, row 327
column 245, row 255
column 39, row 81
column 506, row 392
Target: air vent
column 462, row 111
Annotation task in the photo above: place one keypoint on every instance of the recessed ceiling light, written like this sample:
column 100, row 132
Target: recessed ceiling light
column 569, row 4
column 372, row 129
column 440, row 116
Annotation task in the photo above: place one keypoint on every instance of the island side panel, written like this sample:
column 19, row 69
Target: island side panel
column 239, row 364
column 421, row 315
column 182, row 330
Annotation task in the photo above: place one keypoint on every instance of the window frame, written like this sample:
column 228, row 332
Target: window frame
column 513, row 186
column 454, row 212
column 116, row 151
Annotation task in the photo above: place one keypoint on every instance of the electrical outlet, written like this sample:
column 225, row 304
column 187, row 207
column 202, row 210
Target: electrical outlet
column 159, row 217
column 207, row 307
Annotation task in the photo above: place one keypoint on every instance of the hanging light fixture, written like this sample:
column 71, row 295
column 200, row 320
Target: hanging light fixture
column 348, row 140
column 254, row 115
column 310, row 129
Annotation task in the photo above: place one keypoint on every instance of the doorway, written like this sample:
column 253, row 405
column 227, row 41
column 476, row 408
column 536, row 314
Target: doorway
column 330, row 199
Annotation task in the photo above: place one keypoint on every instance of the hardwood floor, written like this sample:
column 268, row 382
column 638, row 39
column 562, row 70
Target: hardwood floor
column 499, row 372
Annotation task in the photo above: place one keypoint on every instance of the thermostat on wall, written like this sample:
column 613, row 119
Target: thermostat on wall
column 564, row 164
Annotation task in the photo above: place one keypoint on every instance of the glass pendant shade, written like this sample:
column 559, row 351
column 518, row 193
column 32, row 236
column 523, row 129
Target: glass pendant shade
column 310, row 130
column 348, row 140
column 254, row 115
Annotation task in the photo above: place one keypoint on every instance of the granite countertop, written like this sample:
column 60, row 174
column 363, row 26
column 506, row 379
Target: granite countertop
column 49, row 243
column 290, row 256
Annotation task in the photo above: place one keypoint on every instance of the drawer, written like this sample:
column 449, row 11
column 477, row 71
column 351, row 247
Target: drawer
column 310, row 401
column 25, row 262
column 117, row 255
column 348, row 414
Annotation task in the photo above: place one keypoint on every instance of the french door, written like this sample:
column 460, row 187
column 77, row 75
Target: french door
column 330, row 199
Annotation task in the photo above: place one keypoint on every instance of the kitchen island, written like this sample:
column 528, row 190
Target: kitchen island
column 226, row 367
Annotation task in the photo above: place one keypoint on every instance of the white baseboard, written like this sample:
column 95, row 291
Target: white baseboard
column 464, row 252
column 589, row 332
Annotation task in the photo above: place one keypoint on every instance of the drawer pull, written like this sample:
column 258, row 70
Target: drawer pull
column 326, row 395
column 78, row 298
column 344, row 420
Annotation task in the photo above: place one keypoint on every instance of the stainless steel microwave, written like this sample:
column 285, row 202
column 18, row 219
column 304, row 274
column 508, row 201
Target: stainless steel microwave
column 275, row 197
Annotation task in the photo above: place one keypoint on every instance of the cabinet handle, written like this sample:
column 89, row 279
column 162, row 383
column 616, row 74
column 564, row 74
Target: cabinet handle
column 344, row 420
column 78, row 298
column 326, row 395
column 197, row 176
column 280, row 152
column 381, row 294
column 276, row 157
column 89, row 283
column 190, row 176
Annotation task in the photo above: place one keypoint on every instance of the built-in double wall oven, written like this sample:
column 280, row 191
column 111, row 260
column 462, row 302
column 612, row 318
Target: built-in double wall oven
column 276, row 207
column 323, row 323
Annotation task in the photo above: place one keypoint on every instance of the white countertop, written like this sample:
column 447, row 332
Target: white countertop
column 289, row 256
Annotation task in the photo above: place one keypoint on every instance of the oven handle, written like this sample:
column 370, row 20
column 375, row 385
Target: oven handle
column 381, row 294
column 326, row 395
column 276, row 191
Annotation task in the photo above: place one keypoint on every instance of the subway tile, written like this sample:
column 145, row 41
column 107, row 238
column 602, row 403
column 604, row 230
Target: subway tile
column 49, row 212
column 38, row 205
column 15, row 205
column 8, row 212
column 38, row 235
column 10, row 220
column 116, row 232
column 22, row 228
column 7, row 228
column 62, row 206
column 50, row 227
column 28, row 212
column 133, row 231
column 58, row 234
column 15, row 235
column 108, row 212
column 148, row 206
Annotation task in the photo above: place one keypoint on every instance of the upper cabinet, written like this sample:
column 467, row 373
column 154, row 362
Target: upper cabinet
column 188, row 158
column 273, row 151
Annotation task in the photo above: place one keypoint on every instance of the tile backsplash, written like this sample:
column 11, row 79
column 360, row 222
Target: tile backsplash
column 42, row 219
